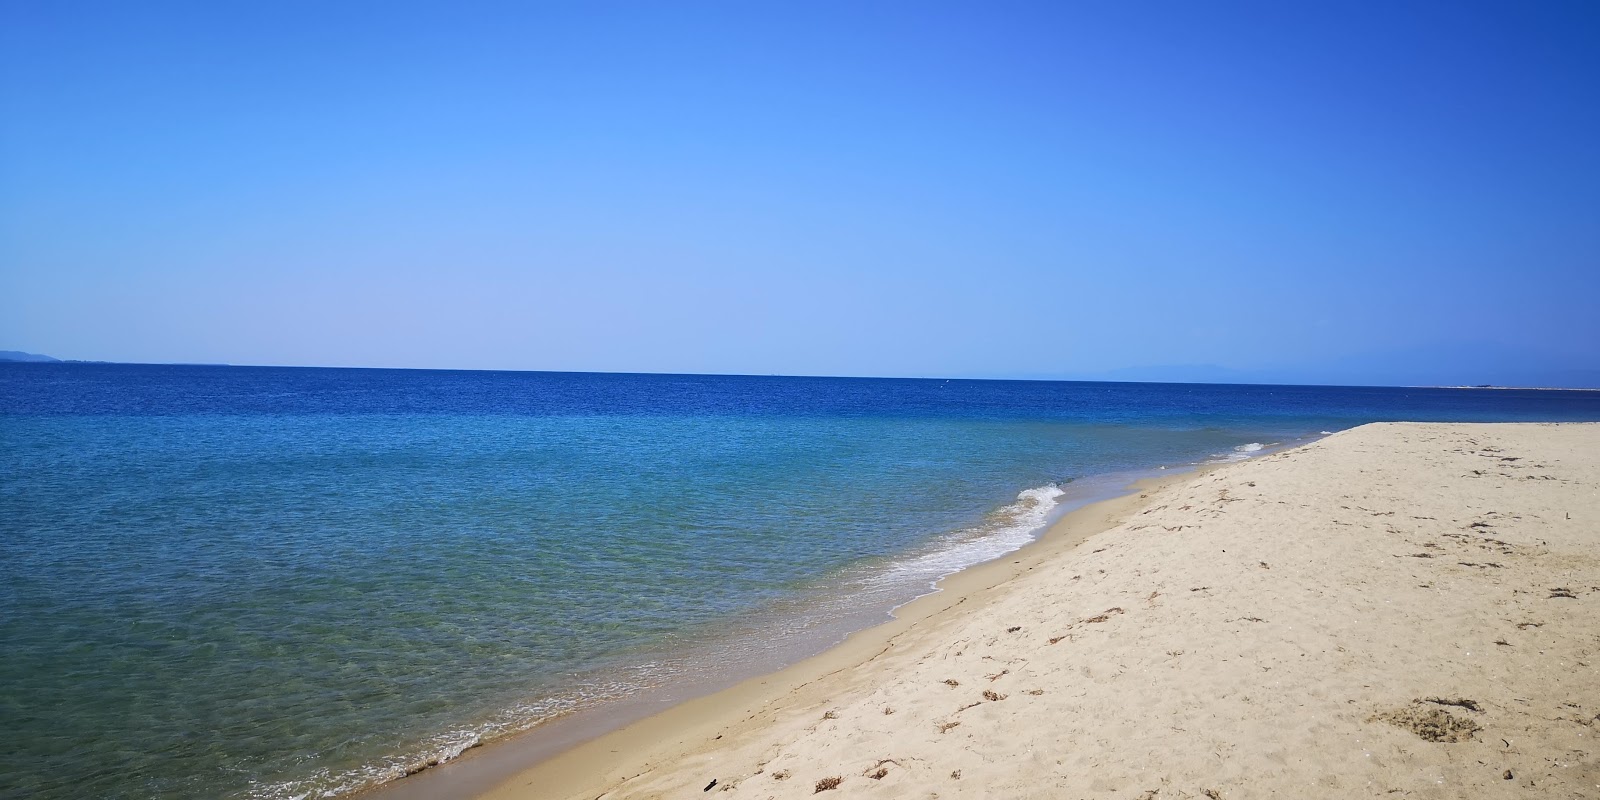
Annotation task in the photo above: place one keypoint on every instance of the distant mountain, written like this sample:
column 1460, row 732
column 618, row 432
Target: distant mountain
column 18, row 355
column 1455, row 364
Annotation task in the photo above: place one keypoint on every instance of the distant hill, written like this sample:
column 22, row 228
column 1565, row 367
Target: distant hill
column 18, row 355
column 1449, row 364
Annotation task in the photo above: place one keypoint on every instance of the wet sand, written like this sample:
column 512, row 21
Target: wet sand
column 1397, row 610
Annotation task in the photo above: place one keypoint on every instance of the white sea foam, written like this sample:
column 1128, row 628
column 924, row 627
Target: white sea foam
column 1239, row 453
column 1002, row 531
column 449, row 745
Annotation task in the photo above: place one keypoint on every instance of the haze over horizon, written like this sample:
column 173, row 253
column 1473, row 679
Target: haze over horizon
column 1407, row 194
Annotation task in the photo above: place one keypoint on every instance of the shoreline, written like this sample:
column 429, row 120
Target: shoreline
column 563, row 756
column 554, row 744
column 1358, row 639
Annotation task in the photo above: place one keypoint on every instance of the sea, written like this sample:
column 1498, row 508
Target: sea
column 253, row 582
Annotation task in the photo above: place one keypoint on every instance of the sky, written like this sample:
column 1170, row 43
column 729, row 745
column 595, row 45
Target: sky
column 1329, row 191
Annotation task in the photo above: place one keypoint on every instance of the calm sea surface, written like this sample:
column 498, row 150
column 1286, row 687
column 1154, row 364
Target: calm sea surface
column 278, row 583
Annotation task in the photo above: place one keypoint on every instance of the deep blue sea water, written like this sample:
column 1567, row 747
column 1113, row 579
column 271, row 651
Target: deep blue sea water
column 274, row 582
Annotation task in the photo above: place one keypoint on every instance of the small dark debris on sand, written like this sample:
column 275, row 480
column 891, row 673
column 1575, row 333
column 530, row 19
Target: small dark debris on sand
column 828, row 783
column 1104, row 615
column 1431, row 724
column 1458, row 702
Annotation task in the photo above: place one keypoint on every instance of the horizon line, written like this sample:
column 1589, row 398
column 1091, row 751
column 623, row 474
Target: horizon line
column 1484, row 386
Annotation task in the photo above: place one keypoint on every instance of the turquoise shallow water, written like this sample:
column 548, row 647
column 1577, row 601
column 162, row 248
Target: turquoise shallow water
column 234, row 582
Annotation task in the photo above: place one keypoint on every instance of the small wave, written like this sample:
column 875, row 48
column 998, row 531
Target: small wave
column 449, row 745
column 1239, row 453
column 1002, row 531
column 326, row 783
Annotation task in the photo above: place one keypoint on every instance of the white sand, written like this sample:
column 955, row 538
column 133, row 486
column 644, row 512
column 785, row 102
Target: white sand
column 1273, row 628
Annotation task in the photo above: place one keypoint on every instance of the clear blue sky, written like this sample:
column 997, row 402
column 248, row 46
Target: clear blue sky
column 855, row 188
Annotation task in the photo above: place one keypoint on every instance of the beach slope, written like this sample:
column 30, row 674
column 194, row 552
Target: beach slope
column 1399, row 610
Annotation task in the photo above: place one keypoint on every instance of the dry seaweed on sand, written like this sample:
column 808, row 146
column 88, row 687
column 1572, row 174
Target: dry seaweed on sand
column 1458, row 702
column 1431, row 724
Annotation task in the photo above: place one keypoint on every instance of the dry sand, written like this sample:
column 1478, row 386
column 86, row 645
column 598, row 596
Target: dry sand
column 1399, row 610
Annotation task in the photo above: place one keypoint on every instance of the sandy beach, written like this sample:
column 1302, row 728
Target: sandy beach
column 1399, row 610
